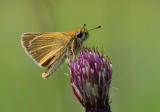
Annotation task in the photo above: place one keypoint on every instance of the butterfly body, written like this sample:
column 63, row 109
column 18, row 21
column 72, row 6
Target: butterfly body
column 50, row 49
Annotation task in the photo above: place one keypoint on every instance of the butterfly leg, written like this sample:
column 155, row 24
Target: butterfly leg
column 48, row 72
column 54, row 66
column 73, row 51
column 45, row 75
column 69, row 56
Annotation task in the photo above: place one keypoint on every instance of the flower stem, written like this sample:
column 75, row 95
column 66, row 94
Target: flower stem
column 98, row 109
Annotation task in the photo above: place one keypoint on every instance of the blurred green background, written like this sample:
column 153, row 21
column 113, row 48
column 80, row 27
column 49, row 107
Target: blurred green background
column 130, row 36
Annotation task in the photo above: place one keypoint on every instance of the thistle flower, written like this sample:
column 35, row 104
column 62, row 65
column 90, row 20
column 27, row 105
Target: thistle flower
column 91, row 76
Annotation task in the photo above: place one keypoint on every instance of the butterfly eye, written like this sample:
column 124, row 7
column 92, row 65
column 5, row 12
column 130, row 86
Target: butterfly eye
column 79, row 35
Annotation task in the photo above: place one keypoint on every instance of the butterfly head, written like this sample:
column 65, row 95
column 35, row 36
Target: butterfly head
column 82, row 33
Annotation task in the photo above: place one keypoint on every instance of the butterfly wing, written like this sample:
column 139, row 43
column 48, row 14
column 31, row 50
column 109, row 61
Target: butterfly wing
column 46, row 48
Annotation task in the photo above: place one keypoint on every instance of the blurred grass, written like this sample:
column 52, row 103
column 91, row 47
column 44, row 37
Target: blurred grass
column 129, row 35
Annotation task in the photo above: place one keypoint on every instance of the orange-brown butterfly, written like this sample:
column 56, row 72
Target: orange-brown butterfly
column 51, row 48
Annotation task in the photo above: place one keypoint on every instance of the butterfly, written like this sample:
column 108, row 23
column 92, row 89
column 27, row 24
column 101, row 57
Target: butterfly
column 50, row 49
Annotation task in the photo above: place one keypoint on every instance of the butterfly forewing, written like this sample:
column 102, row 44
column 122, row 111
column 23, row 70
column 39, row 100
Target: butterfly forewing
column 46, row 48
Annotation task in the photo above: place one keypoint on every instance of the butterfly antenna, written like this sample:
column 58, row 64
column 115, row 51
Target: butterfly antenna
column 95, row 28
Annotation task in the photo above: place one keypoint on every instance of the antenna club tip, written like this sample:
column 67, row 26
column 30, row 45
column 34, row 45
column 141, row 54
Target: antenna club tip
column 99, row 26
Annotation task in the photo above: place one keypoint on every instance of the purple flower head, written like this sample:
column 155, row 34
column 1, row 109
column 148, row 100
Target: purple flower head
column 91, row 76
